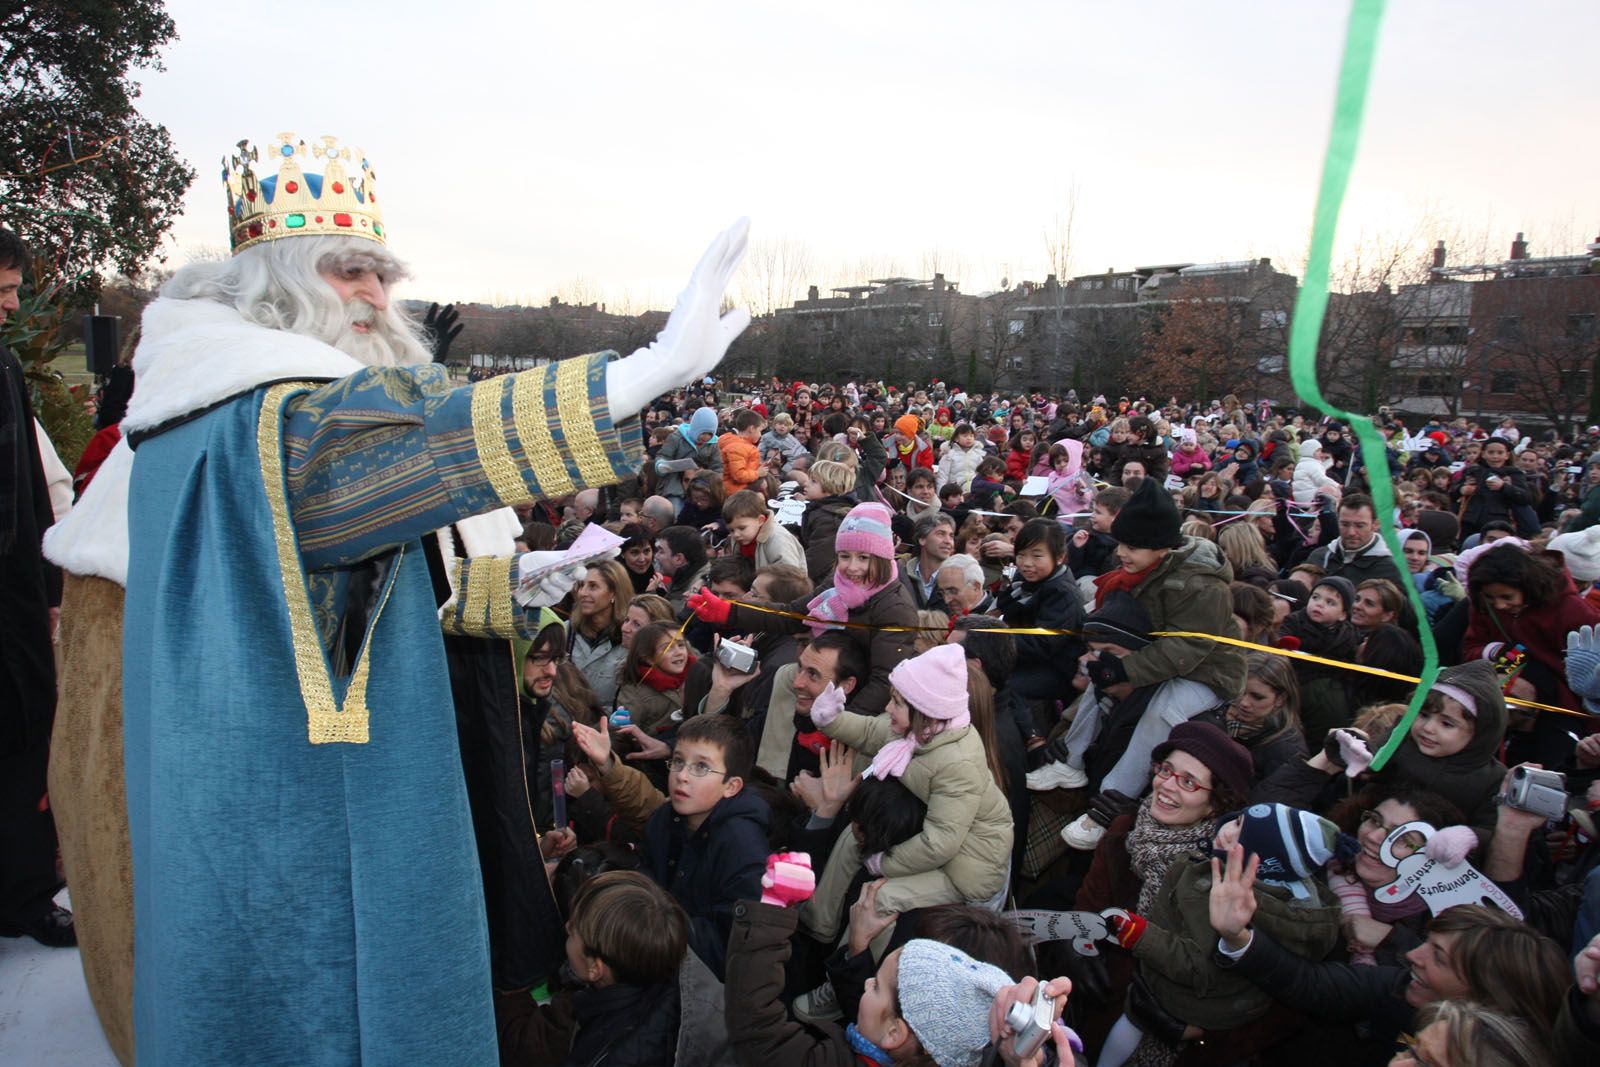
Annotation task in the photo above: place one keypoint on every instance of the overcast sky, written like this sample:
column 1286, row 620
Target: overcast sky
column 596, row 147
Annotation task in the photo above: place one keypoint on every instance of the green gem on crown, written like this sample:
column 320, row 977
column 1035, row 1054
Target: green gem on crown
column 295, row 221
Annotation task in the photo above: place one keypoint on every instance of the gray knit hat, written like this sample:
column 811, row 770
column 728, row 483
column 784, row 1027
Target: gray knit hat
column 946, row 995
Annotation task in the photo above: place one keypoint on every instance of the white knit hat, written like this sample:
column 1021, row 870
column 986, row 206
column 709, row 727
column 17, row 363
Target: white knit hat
column 1582, row 553
column 946, row 995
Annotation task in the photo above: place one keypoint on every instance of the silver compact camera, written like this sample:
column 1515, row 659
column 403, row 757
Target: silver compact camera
column 1537, row 791
column 737, row 657
column 1031, row 1022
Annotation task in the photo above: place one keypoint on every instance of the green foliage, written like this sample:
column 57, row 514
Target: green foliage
column 84, row 178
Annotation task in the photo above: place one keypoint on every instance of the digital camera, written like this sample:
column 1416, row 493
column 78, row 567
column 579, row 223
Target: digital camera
column 1031, row 1022
column 737, row 657
column 1537, row 791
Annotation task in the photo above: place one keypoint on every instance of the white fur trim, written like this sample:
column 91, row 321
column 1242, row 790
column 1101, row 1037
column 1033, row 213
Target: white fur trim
column 93, row 538
column 196, row 352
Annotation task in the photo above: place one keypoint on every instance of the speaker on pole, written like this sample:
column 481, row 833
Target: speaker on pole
column 100, row 343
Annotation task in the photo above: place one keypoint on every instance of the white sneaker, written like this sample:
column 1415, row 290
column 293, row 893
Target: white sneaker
column 819, row 1005
column 1057, row 775
column 1083, row 834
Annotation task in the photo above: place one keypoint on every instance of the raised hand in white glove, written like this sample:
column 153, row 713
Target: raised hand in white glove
column 827, row 706
column 696, row 337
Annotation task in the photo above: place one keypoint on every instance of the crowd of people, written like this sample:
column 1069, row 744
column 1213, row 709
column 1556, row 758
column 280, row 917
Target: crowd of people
column 986, row 678
column 886, row 705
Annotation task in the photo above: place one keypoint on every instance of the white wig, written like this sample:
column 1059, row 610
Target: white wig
column 278, row 285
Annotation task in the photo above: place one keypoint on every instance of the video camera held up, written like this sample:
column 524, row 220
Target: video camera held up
column 1537, row 791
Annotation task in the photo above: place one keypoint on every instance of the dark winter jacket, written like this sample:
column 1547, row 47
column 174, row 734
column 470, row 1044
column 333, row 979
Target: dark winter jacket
column 1374, row 561
column 884, row 649
column 1096, row 557
column 711, row 868
column 1541, row 630
column 1045, row 665
column 1188, row 591
column 1337, row 992
column 1272, row 750
column 759, row 1026
column 1487, row 505
column 618, row 1026
column 817, row 529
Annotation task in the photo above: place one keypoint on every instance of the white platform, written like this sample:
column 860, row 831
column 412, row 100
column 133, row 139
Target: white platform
column 46, row 1019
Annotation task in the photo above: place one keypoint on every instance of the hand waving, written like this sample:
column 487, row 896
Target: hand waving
column 596, row 744
column 442, row 327
column 697, row 334
column 1233, row 896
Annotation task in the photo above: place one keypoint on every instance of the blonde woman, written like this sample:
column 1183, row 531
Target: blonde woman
column 594, row 641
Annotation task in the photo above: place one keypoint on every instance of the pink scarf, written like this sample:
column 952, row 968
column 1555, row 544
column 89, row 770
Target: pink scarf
column 833, row 606
column 893, row 759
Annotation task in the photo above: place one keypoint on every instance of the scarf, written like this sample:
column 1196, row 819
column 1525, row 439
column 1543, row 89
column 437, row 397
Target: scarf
column 661, row 681
column 833, row 605
column 1022, row 593
column 1153, row 846
column 1242, row 731
column 1391, row 913
column 1119, row 580
column 893, row 759
column 865, row 1049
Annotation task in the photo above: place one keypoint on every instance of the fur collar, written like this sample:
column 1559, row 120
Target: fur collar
column 195, row 353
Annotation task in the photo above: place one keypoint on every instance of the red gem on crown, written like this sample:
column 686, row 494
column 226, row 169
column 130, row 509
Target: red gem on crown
column 291, row 187
column 338, row 187
column 341, row 219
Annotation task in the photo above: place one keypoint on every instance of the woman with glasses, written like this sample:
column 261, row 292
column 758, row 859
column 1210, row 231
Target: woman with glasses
column 1375, row 930
column 1155, row 864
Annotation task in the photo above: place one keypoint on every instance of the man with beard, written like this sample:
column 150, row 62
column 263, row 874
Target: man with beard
column 305, row 884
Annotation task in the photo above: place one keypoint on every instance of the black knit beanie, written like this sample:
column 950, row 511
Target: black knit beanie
column 1149, row 519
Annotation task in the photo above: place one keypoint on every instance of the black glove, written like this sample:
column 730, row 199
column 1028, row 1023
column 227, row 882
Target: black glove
column 441, row 327
column 1105, row 671
column 1106, row 807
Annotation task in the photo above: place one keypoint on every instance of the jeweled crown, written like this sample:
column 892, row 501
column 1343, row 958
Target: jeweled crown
column 293, row 202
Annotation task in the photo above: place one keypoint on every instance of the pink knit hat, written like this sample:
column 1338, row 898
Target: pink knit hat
column 866, row 529
column 935, row 683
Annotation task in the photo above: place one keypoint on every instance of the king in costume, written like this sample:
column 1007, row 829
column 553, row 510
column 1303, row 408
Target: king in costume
column 306, row 886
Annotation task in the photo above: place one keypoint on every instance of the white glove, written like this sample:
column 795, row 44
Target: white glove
column 1583, row 666
column 696, row 337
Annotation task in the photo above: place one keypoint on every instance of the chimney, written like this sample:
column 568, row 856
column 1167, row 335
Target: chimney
column 1266, row 263
column 938, row 282
column 1519, row 248
column 1438, row 256
column 811, row 294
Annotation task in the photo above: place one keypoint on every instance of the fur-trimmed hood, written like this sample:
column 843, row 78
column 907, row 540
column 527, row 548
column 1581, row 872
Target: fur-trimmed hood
column 193, row 354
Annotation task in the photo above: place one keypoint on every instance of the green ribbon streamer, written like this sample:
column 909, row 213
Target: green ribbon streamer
column 1355, row 75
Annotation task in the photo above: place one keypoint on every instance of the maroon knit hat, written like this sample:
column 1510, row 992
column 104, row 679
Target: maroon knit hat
column 1228, row 761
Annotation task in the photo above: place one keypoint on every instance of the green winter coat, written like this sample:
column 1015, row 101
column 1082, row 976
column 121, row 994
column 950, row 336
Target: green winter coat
column 1188, row 591
column 1176, row 953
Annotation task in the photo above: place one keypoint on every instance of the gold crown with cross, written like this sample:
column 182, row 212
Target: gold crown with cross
column 293, row 202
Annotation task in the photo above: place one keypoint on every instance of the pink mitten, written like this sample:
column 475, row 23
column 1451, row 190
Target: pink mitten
column 874, row 864
column 1353, row 751
column 789, row 879
column 1451, row 845
column 828, row 705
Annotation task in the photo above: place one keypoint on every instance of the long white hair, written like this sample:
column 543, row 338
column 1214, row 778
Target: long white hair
column 278, row 284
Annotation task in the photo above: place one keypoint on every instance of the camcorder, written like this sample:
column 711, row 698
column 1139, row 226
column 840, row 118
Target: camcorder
column 1537, row 791
column 737, row 657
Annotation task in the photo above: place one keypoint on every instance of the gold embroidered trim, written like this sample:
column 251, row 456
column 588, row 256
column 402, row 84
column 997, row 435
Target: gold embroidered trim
column 489, row 435
column 326, row 721
column 577, row 420
column 497, row 579
column 529, row 411
column 476, row 612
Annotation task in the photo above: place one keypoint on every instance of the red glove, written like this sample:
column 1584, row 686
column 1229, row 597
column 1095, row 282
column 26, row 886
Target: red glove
column 789, row 879
column 1125, row 927
column 709, row 606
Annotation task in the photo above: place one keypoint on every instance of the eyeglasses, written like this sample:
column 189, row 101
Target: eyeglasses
column 541, row 660
column 1410, row 842
column 1187, row 782
column 696, row 770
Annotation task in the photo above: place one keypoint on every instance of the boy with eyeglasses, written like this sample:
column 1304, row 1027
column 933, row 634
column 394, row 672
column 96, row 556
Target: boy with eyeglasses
column 706, row 841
